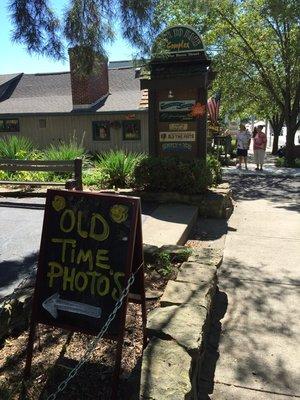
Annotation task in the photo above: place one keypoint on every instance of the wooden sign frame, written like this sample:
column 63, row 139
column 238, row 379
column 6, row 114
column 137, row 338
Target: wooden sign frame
column 134, row 264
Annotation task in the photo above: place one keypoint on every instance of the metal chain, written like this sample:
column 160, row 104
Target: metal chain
column 9, row 298
column 95, row 341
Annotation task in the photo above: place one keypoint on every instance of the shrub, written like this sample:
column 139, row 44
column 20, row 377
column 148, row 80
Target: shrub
column 215, row 167
column 173, row 174
column 281, row 162
column 93, row 177
column 118, row 167
column 65, row 151
column 15, row 147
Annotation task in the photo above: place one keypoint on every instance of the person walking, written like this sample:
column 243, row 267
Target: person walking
column 243, row 138
column 259, row 147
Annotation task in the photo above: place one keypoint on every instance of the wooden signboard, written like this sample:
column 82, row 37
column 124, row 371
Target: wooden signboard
column 91, row 244
column 178, row 42
column 177, row 148
column 177, row 83
column 175, row 116
column 176, row 105
column 175, row 136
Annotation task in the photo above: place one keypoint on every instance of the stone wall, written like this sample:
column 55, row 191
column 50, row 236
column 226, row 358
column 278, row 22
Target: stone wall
column 15, row 310
column 214, row 203
column 177, row 330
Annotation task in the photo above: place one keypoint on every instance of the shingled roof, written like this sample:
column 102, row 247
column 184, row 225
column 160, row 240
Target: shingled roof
column 51, row 93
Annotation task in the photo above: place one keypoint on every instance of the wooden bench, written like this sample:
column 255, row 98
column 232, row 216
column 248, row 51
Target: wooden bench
column 74, row 166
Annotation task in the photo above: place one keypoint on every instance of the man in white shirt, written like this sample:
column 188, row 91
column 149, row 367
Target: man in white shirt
column 243, row 138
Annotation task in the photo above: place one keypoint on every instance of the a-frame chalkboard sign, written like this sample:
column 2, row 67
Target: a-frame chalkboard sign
column 91, row 244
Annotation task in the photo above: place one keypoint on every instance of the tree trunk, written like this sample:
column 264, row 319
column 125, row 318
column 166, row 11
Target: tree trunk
column 290, row 137
column 277, row 123
column 275, row 142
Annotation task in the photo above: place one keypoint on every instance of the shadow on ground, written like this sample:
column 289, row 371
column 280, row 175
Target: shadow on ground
column 274, row 189
column 258, row 333
column 12, row 272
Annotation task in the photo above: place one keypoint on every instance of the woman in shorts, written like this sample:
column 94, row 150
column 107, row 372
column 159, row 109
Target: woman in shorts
column 243, row 138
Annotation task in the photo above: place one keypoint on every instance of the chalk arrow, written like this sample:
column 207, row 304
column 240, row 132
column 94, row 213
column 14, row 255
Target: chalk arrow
column 54, row 303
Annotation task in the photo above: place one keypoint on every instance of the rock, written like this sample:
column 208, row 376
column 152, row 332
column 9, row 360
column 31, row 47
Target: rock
column 21, row 309
column 176, row 253
column 16, row 312
column 155, row 275
column 153, row 294
column 224, row 185
column 165, row 372
column 5, row 311
column 185, row 324
column 182, row 293
column 150, row 253
column 193, row 272
column 208, row 256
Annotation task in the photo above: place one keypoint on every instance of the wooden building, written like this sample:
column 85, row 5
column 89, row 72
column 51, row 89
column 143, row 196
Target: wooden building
column 108, row 108
column 105, row 111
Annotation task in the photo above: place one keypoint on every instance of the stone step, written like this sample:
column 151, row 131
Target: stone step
column 169, row 224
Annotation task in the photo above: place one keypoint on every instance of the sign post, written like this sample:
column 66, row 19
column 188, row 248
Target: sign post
column 177, row 86
column 91, row 244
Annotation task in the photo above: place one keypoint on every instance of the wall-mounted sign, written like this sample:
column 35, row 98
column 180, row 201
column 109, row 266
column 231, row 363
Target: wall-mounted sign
column 175, row 116
column 178, row 127
column 177, row 41
column 176, row 147
column 188, row 136
column 176, row 105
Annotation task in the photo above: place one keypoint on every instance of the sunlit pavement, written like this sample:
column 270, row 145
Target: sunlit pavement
column 255, row 348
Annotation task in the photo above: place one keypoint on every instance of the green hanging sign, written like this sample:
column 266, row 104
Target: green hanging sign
column 178, row 41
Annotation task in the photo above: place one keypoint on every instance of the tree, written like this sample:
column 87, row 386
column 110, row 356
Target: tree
column 242, row 93
column 265, row 34
column 254, row 41
column 86, row 24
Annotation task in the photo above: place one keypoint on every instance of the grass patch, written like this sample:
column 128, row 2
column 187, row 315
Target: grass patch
column 16, row 147
column 118, row 167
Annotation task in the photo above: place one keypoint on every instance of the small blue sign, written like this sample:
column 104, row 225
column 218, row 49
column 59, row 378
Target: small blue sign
column 177, row 147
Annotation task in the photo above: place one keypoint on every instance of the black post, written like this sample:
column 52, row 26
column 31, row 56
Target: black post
column 78, row 173
column 152, row 122
column 201, row 125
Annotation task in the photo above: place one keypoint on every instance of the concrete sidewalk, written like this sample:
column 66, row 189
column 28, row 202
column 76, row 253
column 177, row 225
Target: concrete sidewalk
column 269, row 168
column 259, row 281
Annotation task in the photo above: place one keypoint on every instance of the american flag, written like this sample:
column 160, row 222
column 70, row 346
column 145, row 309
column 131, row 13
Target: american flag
column 213, row 105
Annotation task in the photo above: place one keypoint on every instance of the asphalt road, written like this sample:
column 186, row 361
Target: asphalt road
column 21, row 223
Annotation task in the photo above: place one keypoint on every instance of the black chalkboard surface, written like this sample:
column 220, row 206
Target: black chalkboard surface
column 89, row 248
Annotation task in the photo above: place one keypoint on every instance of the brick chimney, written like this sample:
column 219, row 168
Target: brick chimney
column 88, row 88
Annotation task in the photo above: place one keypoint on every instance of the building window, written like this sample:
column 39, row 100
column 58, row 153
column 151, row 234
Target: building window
column 132, row 130
column 42, row 123
column 101, row 130
column 9, row 125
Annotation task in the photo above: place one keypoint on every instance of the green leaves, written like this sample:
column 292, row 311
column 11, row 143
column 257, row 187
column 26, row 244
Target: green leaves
column 37, row 27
